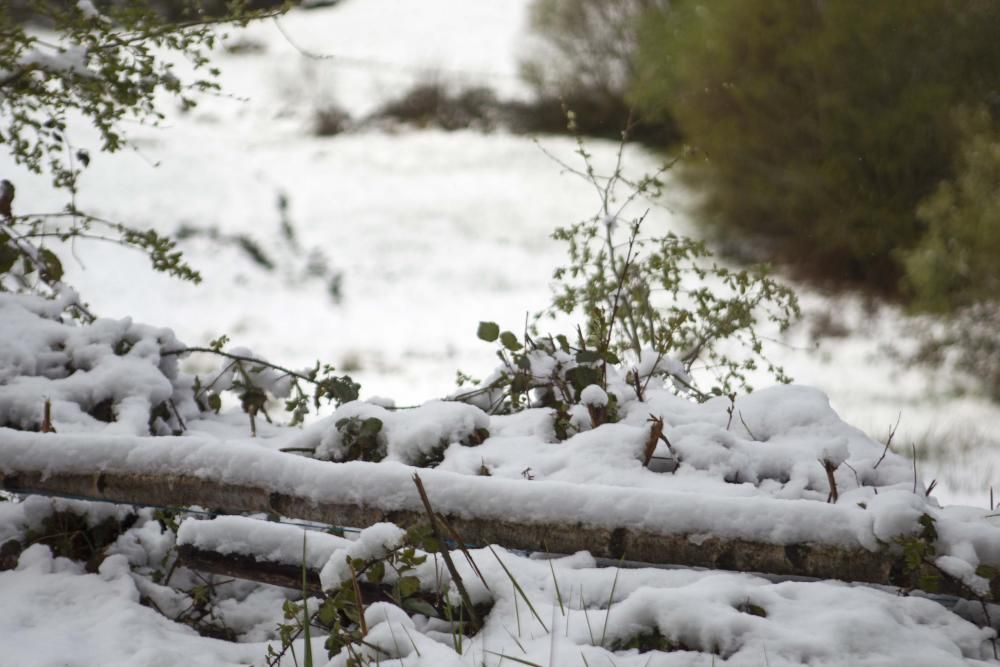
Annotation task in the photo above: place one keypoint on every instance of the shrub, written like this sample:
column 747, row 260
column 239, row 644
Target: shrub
column 955, row 263
column 433, row 104
column 823, row 124
column 649, row 306
column 584, row 60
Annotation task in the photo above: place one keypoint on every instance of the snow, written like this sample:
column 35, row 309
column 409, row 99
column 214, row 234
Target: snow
column 68, row 617
column 76, row 368
column 726, row 484
column 594, row 395
column 265, row 540
column 740, row 616
column 434, row 232
column 376, row 541
column 752, row 467
column 411, row 436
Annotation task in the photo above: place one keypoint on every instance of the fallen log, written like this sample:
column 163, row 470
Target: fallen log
column 289, row 575
column 251, row 568
column 638, row 525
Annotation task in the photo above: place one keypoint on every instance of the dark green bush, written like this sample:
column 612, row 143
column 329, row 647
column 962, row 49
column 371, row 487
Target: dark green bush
column 822, row 125
column 955, row 264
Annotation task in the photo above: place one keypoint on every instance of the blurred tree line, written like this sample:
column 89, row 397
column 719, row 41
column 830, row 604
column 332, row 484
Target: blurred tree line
column 169, row 10
column 855, row 142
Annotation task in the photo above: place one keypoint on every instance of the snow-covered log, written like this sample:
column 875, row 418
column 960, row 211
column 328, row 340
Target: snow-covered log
column 779, row 537
column 244, row 566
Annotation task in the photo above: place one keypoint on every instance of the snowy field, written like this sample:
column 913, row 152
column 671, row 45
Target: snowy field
column 434, row 232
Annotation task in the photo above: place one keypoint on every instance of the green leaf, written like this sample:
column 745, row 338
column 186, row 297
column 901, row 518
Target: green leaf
column 327, row 613
column 587, row 357
column 488, row 331
column 583, row 376
column 215, row 402
column 418, row 606
column 408, row 586
column 753, row 609
column 611, row 358
column 431, row 544
column 376, row 572
column 930, row 583
column 370, row 427
column 986, row 571
column 929, row 532
column 510, row 341
column 218, row 343
column 416, row 535
column 520, row 383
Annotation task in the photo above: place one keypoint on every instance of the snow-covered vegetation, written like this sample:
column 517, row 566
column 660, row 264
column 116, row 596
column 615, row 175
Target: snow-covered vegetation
column 422, row 238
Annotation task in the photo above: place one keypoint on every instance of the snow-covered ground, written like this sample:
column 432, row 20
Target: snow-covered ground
column 764, row 479
column 433, row 232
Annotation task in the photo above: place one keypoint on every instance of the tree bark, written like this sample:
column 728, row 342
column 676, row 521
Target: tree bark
column 818, row 561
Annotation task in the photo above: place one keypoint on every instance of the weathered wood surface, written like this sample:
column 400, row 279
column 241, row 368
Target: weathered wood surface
column 819, row 561
column 244, row 566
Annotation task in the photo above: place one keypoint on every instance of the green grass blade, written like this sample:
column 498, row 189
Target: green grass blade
column 586, row 616
column 510, row 657
column 562, row 609
column 611, row 598
column 520, row 590
column 307, row 622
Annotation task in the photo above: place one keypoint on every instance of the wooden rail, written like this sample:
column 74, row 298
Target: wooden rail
column 821, row 561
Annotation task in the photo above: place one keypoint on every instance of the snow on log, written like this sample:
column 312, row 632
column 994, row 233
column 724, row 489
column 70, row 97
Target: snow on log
column 750, row 534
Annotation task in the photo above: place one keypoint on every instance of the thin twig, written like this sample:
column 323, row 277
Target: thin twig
column 449, row 563
column 888, row 441
column 243, row 358
column 857, row 478
column 177, row 414
column 360, row 600
column 464, row 549
column 47, row 418
column 655, row 433
column 830, row 468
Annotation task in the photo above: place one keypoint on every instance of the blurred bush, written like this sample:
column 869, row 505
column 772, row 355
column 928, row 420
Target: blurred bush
column 956, row 263
column 583, row 59
column 827, row 131
column 434, row 104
